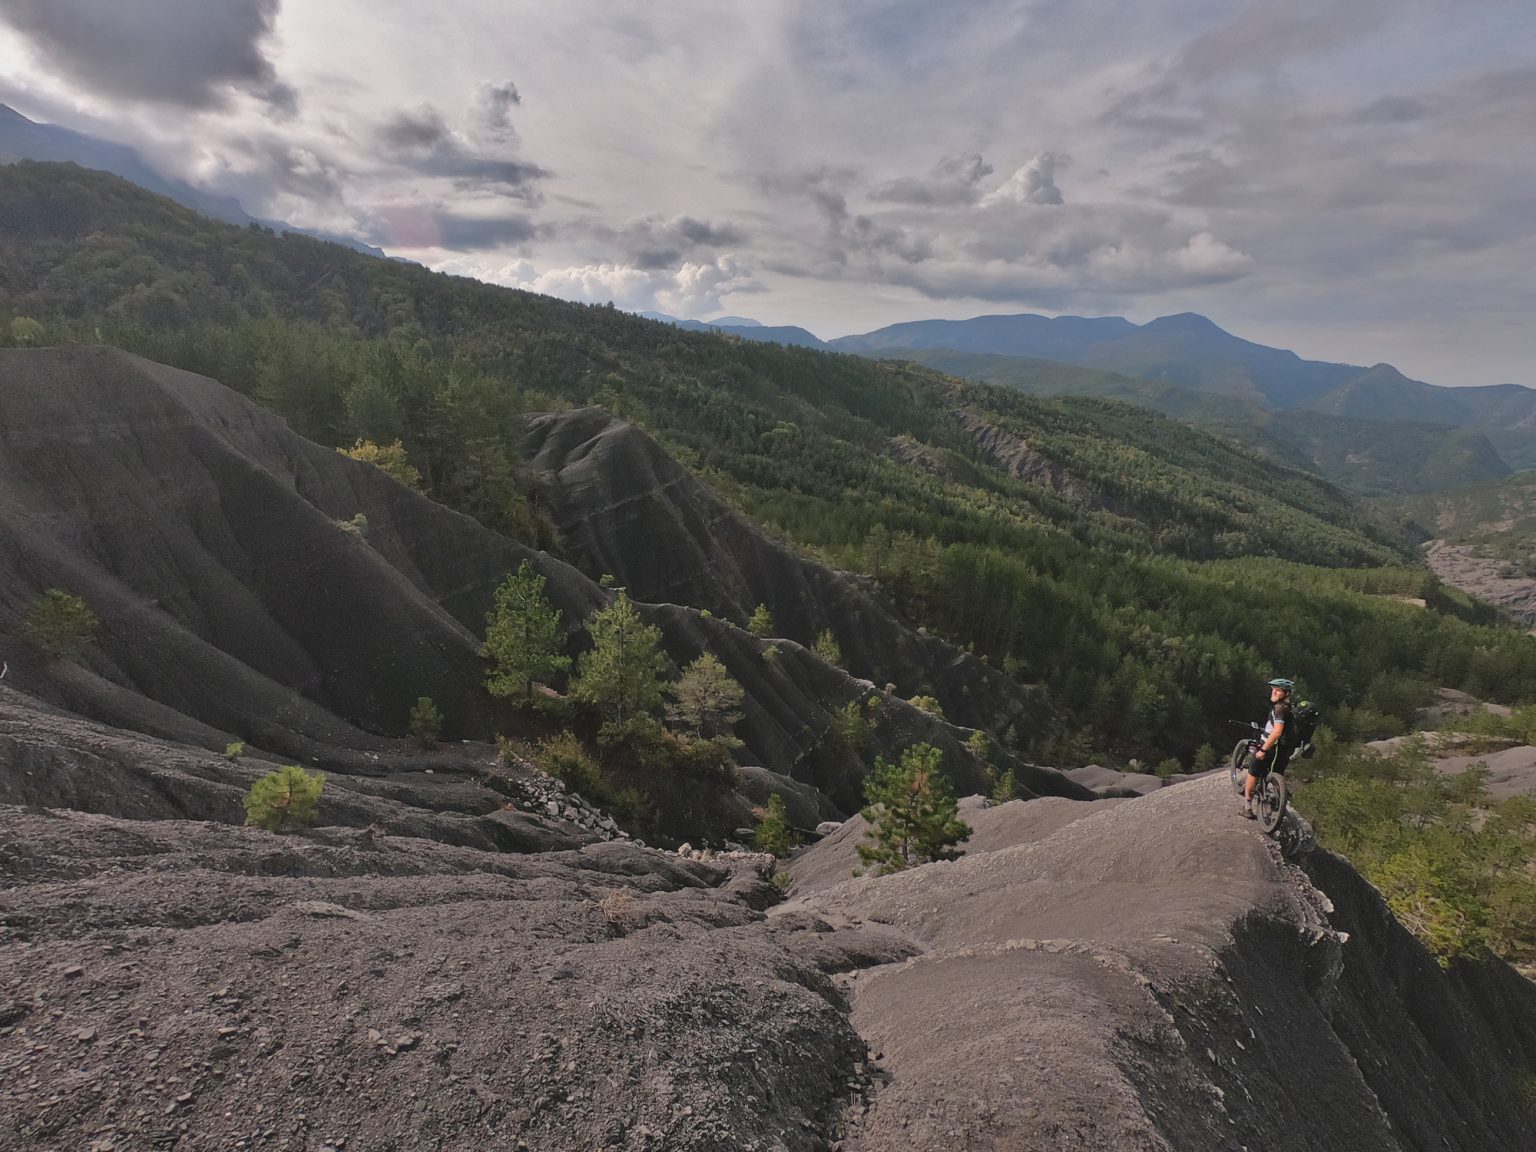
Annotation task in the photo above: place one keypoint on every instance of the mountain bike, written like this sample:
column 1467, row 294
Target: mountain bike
column 1269, row 794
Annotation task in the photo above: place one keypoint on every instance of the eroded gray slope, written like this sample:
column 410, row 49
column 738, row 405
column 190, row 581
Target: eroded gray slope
column 624, row 507
column 1152, row 975
column 235, row 605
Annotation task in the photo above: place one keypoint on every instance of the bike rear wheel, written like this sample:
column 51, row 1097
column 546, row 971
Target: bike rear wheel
column 1269, row 801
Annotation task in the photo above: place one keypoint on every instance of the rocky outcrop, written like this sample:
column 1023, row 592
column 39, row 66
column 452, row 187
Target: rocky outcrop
column 1488, row 578
column 1014, row 456
column 626, row 508
column 1152, row 974
column 200, row 986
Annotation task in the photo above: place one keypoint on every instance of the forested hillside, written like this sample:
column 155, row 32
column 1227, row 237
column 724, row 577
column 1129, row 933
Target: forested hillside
column 1070, row 541
column 1369, row 457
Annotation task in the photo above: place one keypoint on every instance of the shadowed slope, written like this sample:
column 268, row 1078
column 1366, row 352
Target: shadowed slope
column 624, row 507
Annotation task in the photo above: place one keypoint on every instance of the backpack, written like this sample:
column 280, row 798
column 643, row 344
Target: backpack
column 1302, row 726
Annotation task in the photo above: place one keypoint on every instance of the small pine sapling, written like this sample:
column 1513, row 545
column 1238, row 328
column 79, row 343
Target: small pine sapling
column 288, row 797
column 426, row 722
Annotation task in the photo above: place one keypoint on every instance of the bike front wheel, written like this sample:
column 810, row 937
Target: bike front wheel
column 1239, row 766
column 1270, row 800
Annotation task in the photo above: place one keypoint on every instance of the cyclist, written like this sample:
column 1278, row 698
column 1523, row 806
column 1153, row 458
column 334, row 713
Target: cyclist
column 1274, row 749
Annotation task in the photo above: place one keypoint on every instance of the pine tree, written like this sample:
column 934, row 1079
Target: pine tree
column 826, row 648
column 761, row 623
column 426, row 721
column 706, row 700
column 773, row 833
column 523, row 636
column 288, row 796
column 912, row 813
column 1205, row 759
column 1006, row 788
column 621, row 675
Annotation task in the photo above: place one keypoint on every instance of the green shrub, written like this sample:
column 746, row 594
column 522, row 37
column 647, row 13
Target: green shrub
column 621, row 676
column 827, row 649
column 566, row 758
column 426, row 722
column 288, row 797
column 761, row 623
column 60, row 626
column 523, row 637
column 848, row 730
column 388, row 458
column 25, row 331
column 773, row 833
column 234, row 750
column 706, row 699
column 928, row 704
column 1006, row 787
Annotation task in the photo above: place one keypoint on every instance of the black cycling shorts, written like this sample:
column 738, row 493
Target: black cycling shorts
column 1275, row 762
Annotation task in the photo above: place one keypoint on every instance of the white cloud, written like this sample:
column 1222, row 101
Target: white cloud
column 1034, row 183
column 1328, row 162
column 692, row 289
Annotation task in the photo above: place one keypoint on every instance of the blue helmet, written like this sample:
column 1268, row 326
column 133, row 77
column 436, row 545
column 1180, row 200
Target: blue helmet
column 1282, row 683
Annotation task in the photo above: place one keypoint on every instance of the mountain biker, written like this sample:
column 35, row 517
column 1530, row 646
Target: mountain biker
column 1274, row 750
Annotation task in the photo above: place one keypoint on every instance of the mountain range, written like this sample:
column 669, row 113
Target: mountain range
column 1190, row 351
column 24, row 139
column 1185, row 351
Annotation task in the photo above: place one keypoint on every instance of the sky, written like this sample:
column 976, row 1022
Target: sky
column 1352, row 179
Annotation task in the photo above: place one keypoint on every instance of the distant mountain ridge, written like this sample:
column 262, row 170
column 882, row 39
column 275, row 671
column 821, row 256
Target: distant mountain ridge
column 24, row 139
column 1191, row 352
column 1370, row 457
column 747, row 330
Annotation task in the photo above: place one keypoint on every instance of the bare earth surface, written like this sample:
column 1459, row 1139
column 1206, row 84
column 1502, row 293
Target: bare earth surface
column 1145, row 973
column 1460, row 566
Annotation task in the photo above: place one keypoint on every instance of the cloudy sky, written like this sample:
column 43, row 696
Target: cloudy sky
column 1355, row 179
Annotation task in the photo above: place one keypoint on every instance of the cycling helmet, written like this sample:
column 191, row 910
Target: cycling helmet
column 1283, row 683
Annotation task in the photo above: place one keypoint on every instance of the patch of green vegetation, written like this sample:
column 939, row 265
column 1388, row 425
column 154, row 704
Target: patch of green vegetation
column 286, row 798
column 60, row 626
column 1454, row 865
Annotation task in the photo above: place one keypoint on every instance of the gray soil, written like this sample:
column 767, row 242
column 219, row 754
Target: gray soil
column 1462, row 566
column 1124, row 974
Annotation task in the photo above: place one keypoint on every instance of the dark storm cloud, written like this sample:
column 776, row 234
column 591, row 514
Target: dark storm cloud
column 471, row 234
column 419, row 128
column 853, row 235
column 188, row 52
column 953, row 180
column 493, row 108
column 412, row 227
column 1393, row 110
column 656, row 242
column 422, row 140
